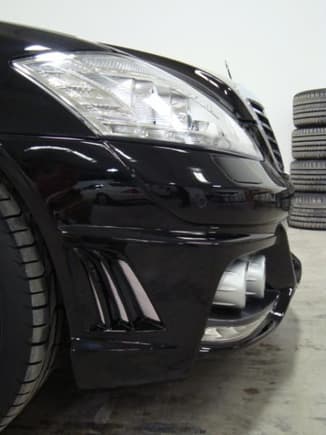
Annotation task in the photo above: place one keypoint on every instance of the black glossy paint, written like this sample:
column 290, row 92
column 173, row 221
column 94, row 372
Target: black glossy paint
column 93, row 182
column 177, row 215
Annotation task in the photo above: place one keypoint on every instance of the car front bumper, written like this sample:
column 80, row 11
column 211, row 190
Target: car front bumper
column 182, row 288
column 177, row 218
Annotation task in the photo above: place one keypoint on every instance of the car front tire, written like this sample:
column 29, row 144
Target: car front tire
column 28, row 308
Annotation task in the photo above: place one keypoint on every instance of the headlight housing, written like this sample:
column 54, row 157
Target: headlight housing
column 120, row 95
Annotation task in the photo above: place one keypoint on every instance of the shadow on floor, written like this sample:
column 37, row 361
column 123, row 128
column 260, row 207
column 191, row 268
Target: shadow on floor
column 224, row 395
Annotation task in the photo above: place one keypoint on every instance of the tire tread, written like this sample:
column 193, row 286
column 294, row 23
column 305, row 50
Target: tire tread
column 43, row 304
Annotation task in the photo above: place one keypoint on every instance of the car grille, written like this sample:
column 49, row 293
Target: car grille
column 268, row 131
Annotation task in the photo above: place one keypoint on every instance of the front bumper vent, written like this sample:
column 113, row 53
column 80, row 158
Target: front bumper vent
column 121, row 300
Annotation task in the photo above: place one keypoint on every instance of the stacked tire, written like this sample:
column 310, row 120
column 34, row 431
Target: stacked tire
column 308, row 171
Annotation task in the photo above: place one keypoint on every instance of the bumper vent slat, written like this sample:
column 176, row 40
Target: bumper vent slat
column 96, row 285
column 122, row 311
column 99, row 304
column 268, row 131
column 143, row 300
column 120, row 298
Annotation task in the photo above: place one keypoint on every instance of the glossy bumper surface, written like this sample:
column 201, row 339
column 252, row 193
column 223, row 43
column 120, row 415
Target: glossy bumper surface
column 177, row 217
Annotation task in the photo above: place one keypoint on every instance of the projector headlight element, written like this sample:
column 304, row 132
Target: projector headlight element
column 120, row 95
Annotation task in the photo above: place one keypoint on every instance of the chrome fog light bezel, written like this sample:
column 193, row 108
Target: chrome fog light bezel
column 256, row 276
column 242, row 278
column 231, row 288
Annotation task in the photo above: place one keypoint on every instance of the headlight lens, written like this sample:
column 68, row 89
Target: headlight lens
column 119, row 95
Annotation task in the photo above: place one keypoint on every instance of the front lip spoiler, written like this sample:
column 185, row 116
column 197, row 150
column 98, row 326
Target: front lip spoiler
column 273, row 318
column 274, row 315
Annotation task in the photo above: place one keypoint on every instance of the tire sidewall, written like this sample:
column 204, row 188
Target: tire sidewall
column 15, row 319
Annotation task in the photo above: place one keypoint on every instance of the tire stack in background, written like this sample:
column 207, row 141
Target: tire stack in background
column 308, row 171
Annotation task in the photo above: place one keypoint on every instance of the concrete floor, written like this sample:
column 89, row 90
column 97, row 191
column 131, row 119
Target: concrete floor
column 276, row 387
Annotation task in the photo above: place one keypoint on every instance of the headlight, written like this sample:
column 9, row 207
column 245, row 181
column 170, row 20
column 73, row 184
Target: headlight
column 119, row 95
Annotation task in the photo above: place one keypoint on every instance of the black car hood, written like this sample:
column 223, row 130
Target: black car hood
column 18, row 41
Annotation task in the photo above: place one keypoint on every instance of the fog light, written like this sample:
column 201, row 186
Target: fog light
column 242, row 278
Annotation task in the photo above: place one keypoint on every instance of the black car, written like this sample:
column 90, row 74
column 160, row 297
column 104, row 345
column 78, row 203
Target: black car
column 142, row 210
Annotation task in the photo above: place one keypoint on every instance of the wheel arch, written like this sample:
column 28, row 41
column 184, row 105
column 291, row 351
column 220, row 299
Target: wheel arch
column 24, row 188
